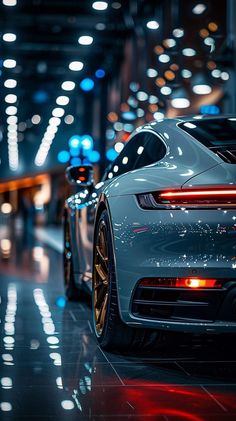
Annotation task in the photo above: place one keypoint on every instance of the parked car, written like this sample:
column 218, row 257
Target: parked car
column 154, row 241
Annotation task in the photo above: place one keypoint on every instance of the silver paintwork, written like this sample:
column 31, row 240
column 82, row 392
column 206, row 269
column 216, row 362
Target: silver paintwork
column 171, row 242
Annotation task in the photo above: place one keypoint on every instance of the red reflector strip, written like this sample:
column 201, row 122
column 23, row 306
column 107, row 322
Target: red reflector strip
column 193, row 283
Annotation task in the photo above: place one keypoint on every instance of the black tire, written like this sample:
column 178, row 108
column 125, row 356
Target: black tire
column 72, row 292
column 115, row 334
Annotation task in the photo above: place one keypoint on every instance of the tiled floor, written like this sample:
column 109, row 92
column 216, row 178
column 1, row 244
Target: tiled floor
column 51, row 367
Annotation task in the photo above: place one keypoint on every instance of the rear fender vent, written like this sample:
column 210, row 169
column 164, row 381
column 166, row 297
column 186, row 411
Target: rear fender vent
column 227, row 154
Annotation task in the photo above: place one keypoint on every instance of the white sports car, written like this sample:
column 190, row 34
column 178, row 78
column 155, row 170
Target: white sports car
column 155, row 240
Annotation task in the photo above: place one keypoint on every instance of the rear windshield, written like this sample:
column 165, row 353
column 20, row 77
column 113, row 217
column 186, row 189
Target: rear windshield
column 212, row 133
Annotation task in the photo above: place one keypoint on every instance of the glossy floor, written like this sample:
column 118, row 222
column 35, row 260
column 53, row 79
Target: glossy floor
column 51, row 367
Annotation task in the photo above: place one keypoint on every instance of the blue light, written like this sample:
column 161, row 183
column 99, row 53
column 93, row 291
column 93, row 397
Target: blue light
column 111, row 154
column 100, row 73
column 60, row 302
column 87, row 84
column 74, row 151
column 210, row 109
column 87, row 142
column 75, row 161
column 74, row 141
column 110, row 134
column 86, row 152
column 63, row 157
column 40, row 97
column 129, row 115
column 94, row 156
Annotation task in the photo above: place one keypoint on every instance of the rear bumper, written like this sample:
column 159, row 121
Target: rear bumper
column 178, row 243
column 197, row 327
column 186, row 310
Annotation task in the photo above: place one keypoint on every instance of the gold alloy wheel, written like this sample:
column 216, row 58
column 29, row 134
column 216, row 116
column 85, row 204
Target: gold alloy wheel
column 101, row 278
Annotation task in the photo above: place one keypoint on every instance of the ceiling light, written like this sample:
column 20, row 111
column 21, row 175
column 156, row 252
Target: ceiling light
column 178, row 32
column 212, row 26
column 100, row 26
column 51, row 129
column 9, row 63
column 54, row 121
column 129, row 115
column 100, row 73
column 58, row 112
column 36, row 119
column 11, row 110
column 10, row 83
column 118, row 126
column 76, row 66
column 9, row 37
column 164, row 58
column 152, row 72
column 189, row 52
column 152, row 24
column 140, row 113
column 12, row 127
column 116, row 5
column 153, row 99
column 10, row 98
column 202, row 89
column 69, row 119
column 48, row 136
column 224, row 76
column 158, row 115
column 85, row 40
column 100, row 5
column 142, row 96
column 9, row 2
column 180, row 103
column 63, row 156
column 87, row 84
column 22, row 126
column 199, row 9
column 62, row 100
column 166, row 90
column 68, row 85
column 185, row 73
column 12, row 119
column 216, row 73
column 119, row 146
column 12, row 135
column 209, row 41
column 169, row 42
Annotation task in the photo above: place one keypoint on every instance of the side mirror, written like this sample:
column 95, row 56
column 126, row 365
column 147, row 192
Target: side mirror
column 81, row 175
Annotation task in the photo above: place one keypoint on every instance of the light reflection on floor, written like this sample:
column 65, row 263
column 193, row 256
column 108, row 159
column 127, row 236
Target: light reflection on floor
column 52, row 368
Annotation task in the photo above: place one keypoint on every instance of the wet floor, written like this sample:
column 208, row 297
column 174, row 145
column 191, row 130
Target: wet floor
column 51, row 367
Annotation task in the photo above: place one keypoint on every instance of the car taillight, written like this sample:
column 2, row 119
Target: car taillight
column 190, row 197
column 192, row 283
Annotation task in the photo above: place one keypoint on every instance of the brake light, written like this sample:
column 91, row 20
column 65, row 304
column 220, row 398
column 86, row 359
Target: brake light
column 192, row 197
column 192, row 283
column 172, row 195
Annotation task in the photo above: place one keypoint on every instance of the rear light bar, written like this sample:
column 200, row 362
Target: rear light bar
column 190, row 197
column 192, row 283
